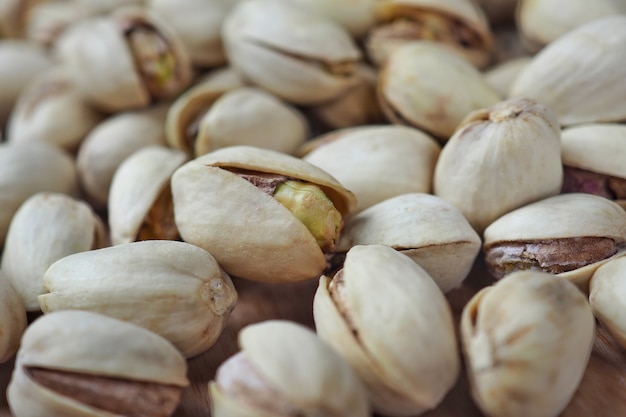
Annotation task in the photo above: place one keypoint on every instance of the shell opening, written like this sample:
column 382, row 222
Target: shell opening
column 159, row 222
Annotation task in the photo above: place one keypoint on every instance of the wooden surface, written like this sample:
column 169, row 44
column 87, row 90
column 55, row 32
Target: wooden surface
column 602, row 392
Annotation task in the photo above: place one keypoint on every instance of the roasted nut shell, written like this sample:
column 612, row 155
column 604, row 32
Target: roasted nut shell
column 12, row 319
column 607, row 297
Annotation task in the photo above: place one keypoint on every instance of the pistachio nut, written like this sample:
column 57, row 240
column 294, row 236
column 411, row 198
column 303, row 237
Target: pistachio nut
column 456, row 24
column 357, row 16
column 127, row 60
column 499, row 159
column 174, row 289
column 51, row 109
column 526, row 341
column 364, row 312
column 46, row 228
column 427, row 229
column 502, row 76
column 288, row 50
column 28, row 168
column 140, row 199
column 264, row 215
column 607, row 298
column 593, row 158
column 79, row 363
column 379, row 162
column 570, row 235
column 284, row 369
column 110, row 143
column 431, row 88
column 12, row 319
column 579, row 76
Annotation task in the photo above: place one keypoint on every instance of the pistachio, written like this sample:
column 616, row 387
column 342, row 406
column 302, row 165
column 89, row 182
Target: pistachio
column 258, row 381
column 606, row 296
column 83, row 363
column 526, row 341
column 356, row 16
column 12, row 319
column 502, row 76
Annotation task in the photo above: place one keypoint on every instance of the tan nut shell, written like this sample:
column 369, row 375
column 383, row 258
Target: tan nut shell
column 357, row 16
column 500, row 159
column 46, row 228
column 502, row 76
column 303, row 369
column 563, row 216
column 580, row 74
column 607, row 296
column 430, row 88
column 527, row 341
column 284, row 48
column 427, row 229
column 172, row 288
column 12, row 319
column 136, row 185
column 250, row 233
column 90, row 343
column 406, row 372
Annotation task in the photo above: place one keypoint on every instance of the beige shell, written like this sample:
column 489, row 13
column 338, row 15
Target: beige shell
column 12, row 319
column 48, row 21
column 28, row 168
column 295, row 369
column 286, row 49
column 428, row 87
column 563, row 216
column 500, row 159
column 90, row 344
column 527, row 341
column 502, row 76
column 13, row 16
column 579, row 76
column 357, row 16
column 383, row 294
column 427, row 229
column 110, row 143
column 607, row 297
column 382, row 40
column 46, row 228
column 51, row 109
column 250, row 233
column 172, row 288
column 137, row 186
column 379, row 162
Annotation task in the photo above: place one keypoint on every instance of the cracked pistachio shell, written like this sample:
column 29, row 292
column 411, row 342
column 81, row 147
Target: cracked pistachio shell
column 379, row 162
column 579, row 76
column 174, row 289
column 51, row 109
column 12, row 319
column 139, row 184
column 607, row 296
column 563, row 216
column 249, row 232
column 46, row 228
column 110, row 143
column 502, row 76
column 294, row 369
column 357, row 16
column 383, row 294
column 408, row 97
column 519, row 140
column 28, row 168
column 527, row 341
column 83, row 344
column 427, row 229
column 288, row 50
column 458, row 25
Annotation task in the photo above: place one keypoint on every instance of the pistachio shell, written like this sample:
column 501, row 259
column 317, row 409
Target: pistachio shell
column 172, row 288
column 384, row 294
column 527, row 341
column 48, row 21
column 607, row 298
column 12, row 319
column 357, row 16
column 502, row 76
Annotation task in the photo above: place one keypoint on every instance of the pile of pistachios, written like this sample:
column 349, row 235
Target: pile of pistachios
column 155, row 153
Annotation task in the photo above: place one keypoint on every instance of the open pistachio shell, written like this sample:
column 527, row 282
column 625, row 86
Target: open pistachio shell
column 527, row 341
column 249, row 232
column 364, row 312
column 357, row 16
column 12, row 319
column 79, row 363
column 607, row 296
column 579, row 76
column 427, row 229
column 140, row 201
column 292, row 52
column 570, row 217
column 379, row 162
column 284, row 369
